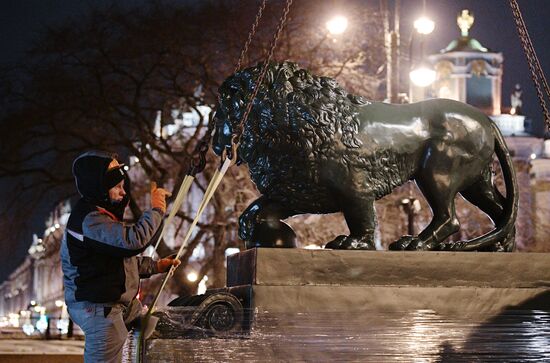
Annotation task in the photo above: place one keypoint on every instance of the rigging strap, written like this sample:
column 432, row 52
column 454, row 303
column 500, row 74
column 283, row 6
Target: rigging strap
column 212, row 186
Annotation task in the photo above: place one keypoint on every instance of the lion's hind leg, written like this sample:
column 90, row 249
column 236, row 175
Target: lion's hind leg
column 444, row 173
column 444, row 222
column 484, row 195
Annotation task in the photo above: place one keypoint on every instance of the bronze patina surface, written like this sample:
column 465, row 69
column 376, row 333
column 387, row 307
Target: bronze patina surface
column 313, row 148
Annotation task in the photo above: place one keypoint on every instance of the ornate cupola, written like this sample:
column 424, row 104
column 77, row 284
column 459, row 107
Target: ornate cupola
column 467, row 71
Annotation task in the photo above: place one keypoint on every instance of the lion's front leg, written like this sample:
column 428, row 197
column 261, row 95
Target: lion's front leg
column 361, row 219
column 261, row 225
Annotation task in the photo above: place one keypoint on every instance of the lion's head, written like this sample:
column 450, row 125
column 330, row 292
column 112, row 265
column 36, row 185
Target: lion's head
column 295, row 111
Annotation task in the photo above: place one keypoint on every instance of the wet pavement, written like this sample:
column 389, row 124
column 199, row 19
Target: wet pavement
column 38, row 346
column 409, row 336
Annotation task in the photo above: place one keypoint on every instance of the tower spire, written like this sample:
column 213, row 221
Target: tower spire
column 465, row 21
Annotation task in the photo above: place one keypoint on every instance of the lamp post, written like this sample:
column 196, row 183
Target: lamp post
column 421, row 74
column 391, row 41
column 338, row 24
column 411, row 206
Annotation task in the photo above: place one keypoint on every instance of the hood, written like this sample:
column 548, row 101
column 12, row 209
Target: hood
column 93, row 179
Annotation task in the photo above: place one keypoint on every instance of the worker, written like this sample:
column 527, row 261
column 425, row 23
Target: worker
column 99, row 255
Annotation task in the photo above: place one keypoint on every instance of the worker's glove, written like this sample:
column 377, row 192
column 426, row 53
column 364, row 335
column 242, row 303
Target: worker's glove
column 164, row 264
column 158, row 197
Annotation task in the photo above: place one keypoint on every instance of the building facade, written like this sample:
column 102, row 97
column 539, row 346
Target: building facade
column 36, row 286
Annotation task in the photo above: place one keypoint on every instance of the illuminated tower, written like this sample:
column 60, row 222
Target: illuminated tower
column 469, row 72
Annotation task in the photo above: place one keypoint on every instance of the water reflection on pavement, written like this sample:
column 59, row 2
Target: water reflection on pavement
column 411, row 336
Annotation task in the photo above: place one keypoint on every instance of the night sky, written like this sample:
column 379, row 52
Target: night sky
column 21, row 22
column 494, row 27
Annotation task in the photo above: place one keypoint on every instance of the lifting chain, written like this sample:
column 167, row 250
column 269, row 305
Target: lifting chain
column 236, row 139
column 537, row 75
column 198, row 162
column 250, row 36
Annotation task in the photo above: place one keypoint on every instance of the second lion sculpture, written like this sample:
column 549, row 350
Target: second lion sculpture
column 313, row 148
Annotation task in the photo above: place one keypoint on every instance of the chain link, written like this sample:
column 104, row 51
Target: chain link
column 236, row 139
column 250, row 36
column 198, row 162
column 537, row 75
column 541, row 74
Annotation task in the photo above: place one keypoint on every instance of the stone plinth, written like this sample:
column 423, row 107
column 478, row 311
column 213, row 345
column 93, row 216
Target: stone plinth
column 295, row 280
column 360, row 306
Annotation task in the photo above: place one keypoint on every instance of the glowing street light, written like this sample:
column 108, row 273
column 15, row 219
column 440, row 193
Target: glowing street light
column 424, row 25
column 201, row 289
column 42, row 323
column 192, row 276
column 422, row 76
column 337, row 25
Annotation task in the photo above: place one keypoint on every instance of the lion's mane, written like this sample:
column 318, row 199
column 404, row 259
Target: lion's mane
column 297, row 120
column 293, row 102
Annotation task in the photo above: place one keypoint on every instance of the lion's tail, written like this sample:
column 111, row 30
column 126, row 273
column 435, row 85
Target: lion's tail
column 505, row 226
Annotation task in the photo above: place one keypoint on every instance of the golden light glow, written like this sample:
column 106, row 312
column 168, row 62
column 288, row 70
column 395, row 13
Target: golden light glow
column 424, row 25
column 422, row 76
column 192, row 276
column 337, row 25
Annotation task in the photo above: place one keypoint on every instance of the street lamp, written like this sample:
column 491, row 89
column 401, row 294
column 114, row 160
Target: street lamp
column 412, row 207
column 424, row 25
column 192, row 276
column 337, row 25
column 422, row 76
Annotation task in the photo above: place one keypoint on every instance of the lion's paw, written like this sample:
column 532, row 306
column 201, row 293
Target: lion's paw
column 418, row 245
column 350, row 243
column 336, row 243
column 402, row 243
column 409, row 243
column 453, row 246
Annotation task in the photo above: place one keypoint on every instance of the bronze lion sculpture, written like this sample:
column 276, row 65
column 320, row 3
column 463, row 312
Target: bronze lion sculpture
column 313, row 148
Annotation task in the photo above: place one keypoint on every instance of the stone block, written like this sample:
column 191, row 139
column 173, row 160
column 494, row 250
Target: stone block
column 296, row 280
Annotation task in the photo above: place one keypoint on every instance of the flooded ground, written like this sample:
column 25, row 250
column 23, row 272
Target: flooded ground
column 411, row 336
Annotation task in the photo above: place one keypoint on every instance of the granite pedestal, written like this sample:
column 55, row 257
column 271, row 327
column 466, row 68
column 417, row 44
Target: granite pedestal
column 447, row 282
column 342, row 306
